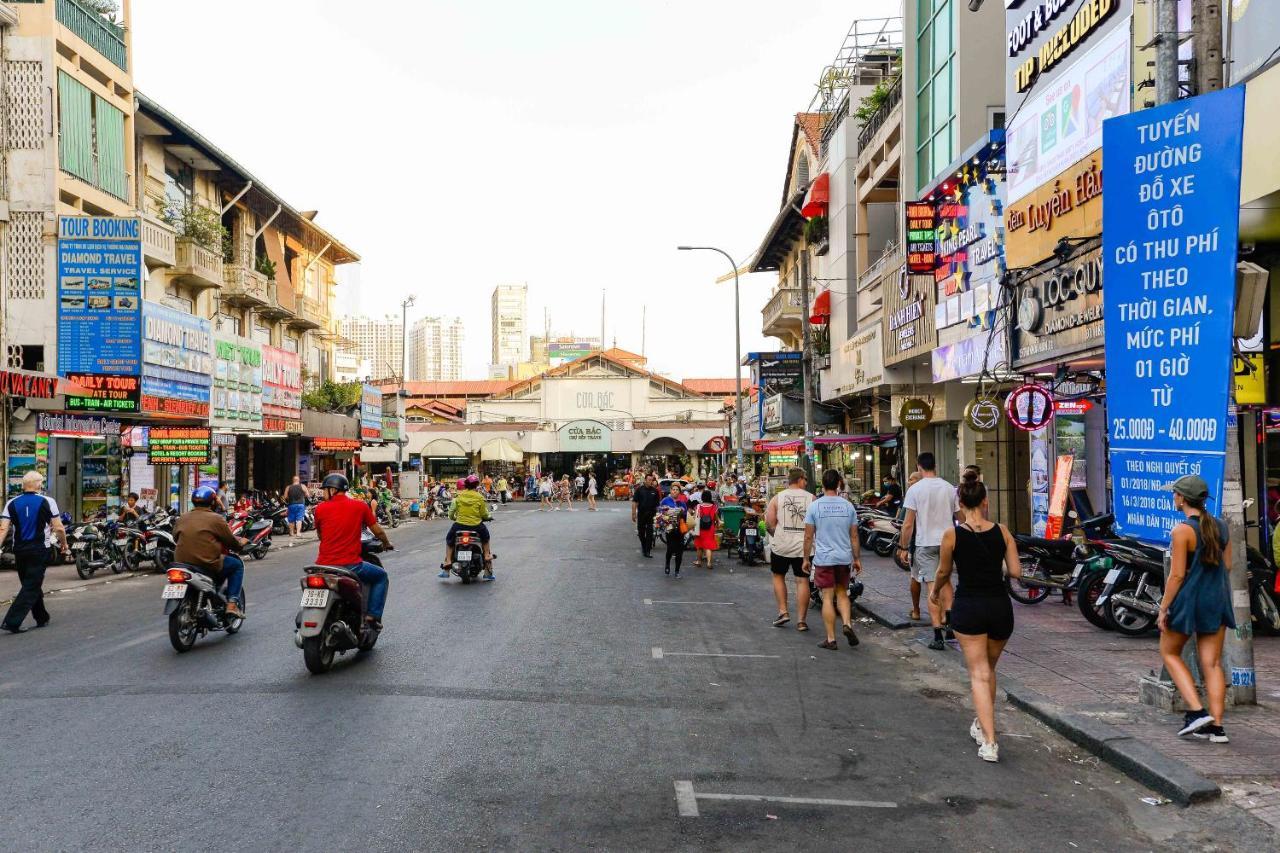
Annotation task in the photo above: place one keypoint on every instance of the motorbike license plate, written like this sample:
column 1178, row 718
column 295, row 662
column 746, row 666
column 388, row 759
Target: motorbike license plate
column 174, row 590
column 315, row 597
column 79, row 546
column 120, row 543
column 751, row 534
column 464, row 556
column 1111, row 577
column 151, row 548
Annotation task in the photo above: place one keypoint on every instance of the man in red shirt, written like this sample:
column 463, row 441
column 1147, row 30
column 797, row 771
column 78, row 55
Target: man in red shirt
column 339, row 523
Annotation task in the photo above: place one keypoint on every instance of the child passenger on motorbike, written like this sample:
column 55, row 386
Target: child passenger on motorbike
column 469, row 512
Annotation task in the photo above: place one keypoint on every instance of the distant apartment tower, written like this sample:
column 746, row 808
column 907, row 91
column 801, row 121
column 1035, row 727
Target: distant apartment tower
column 377, row 342
column 435, row 349
column 509, row 306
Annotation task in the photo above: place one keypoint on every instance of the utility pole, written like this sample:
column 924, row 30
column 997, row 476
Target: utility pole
column 806, row 363
column 1166, row 51
column 1237, row 650
column 402, row 391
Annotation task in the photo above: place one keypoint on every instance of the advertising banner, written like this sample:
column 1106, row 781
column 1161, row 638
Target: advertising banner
column 281, row 390
column 585, row 437
column 102, row 393
column 1170, row 226
column 179, row 445
column 177, row 362
column 986, row 349
column 371, row 413
column 237, row 383
column 80, row 426
column 334, row 445
column 779, row 371
column 921, row 231
column 99, row 295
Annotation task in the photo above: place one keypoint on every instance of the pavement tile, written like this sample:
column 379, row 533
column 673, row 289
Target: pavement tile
column 1056, row 653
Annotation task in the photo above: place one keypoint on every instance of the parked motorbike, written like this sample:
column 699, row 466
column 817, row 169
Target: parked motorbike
column 195, row 605
column 331, row 618
column 89, row 547
column 258, row 533
column 750, row 542
column 815, row 595
column 158, row 544
column 1264, row 594
column 1134, row 586
column 1047, row 564
column 882, row 534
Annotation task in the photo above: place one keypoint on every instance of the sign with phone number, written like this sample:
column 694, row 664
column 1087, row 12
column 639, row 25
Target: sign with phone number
column 179, row 445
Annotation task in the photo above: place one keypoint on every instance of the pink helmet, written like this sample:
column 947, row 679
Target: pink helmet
column 462, row 483
column 472, row 481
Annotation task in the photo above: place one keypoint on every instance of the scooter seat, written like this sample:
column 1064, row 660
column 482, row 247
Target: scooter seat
column 1056, row 546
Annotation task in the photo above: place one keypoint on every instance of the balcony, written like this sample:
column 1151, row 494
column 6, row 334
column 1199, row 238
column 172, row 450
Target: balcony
column 196, row 266
column 244, row 287
column 273, row 310
column 96, row 31
column 889, row 262
column 783, row 314
column 310, row 314
column 893, row 98
column 159, row 243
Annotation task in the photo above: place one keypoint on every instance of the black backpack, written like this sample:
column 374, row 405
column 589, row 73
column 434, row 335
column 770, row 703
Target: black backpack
column 706, row 519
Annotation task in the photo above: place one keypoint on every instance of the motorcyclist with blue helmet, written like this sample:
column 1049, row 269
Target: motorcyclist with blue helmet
column 205, row 542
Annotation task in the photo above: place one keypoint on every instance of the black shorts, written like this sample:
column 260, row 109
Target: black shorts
column 781, row 565
column 983, row 614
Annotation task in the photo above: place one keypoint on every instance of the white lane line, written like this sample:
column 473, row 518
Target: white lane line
column 687, row 800
column 659, row 654
column 660, row 601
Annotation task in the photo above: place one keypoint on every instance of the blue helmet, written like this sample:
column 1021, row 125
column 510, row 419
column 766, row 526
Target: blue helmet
column 203, row 496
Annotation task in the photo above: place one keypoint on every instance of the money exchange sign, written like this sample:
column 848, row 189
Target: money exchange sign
column 1170, row 227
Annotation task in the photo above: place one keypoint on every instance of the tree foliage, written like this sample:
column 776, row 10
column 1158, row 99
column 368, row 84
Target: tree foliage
column 332, row 396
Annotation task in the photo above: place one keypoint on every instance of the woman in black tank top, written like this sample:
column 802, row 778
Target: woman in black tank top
column 981, row 615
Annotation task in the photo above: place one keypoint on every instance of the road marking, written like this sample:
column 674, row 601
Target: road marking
column 659, row 654
column 687, row 800
column 661, row 601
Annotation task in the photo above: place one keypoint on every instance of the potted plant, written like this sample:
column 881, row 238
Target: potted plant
column 266, row 267
column 201, row 225
column 815, row 234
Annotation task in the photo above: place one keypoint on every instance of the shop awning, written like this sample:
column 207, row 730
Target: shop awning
column 855, row 439
column 443, row 448
column 501, row 450
column 821, row 311
column 377, row 453
column 815, row 204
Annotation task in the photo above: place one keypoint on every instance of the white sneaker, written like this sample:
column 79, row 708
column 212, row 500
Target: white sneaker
column 975, row 732
column 989, row 752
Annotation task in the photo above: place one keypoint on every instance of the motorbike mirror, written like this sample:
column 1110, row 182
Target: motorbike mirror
column 1072, row 514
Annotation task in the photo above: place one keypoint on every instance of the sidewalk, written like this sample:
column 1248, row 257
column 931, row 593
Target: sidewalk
column 1071, row 664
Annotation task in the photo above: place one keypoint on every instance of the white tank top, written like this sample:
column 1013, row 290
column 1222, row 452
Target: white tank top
column 788, row 536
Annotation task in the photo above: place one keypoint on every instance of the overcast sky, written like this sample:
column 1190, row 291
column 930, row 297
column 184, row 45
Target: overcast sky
column 568, row 144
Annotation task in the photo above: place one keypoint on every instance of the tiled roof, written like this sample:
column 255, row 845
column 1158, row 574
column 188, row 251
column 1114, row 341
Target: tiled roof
column 463, row 388
column 712, row 386
column 811, row 126
column 623, row 355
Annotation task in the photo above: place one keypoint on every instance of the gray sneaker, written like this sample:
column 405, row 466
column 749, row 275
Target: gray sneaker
column 1194, row 721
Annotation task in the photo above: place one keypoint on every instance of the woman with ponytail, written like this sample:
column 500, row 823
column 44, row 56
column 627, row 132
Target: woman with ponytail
column 1197, row 600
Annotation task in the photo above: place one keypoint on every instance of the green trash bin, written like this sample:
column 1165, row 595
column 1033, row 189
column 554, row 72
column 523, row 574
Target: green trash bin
column 731, row 521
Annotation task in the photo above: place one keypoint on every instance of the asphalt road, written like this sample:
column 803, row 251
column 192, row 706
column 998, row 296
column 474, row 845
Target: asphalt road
column 531, row 713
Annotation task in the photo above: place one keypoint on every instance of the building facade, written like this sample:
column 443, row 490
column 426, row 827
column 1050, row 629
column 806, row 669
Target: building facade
column 509, row 314
column 379, row 343
column 435, row 349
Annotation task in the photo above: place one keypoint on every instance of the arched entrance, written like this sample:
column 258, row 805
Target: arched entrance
column 666, row 455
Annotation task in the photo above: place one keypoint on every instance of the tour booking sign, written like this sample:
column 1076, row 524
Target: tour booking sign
column 102, row 393
column 179, row 445
column 99, row 295
column 922, row 224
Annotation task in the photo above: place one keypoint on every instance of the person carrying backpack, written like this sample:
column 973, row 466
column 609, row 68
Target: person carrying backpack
column 707, row 518
column 31, row 515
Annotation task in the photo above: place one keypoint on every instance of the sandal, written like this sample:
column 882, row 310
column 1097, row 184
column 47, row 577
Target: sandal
column 802, row 627
column 914, row 616
column 782, row 619
column 829, row 645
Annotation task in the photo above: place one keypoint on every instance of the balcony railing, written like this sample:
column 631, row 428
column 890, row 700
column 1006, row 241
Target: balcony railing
column 243, row 286
column 310, row 314
column 96, row 31
column 782, row 310
column 886, row 263
column 880, row 116
column 159, row 243
column 197, row 266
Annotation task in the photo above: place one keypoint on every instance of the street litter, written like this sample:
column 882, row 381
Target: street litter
column 1155, row 801
column 772, row 816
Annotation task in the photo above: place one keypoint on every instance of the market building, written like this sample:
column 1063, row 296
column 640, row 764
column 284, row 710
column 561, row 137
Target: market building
column 602, row 412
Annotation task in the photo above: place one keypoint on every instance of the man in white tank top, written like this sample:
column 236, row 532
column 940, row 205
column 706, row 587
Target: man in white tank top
column 784, row 518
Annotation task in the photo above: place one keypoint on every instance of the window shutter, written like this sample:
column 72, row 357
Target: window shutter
column 109, row 127
column 75, row 128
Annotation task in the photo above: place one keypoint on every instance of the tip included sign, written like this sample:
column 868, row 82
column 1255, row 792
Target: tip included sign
column 179, row 445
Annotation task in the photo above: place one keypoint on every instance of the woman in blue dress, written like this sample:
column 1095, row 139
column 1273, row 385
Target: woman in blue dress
column 1197, row 600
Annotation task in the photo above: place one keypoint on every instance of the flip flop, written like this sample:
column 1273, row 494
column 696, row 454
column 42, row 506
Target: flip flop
column 802, row 627
column 782, row 620
column 829, row 645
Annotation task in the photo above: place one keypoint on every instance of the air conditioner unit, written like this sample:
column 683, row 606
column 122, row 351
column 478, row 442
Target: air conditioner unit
column 1251, row 293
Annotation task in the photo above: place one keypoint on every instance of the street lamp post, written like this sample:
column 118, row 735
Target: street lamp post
column 737, row 346
column 402, row 392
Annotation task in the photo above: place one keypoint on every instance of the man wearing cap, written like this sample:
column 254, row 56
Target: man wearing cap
column 36, row 522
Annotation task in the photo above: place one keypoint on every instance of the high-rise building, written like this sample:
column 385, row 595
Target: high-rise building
column 509, row 305
column 378, row 342
column 435, row 349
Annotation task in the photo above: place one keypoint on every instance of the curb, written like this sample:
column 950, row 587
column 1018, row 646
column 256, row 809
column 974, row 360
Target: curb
column 1171, row 777
column 1139, row 761
column 880, row 615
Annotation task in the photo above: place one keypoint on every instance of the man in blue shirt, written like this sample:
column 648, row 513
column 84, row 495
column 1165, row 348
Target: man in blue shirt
column 831, row 549
column 31, row 515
